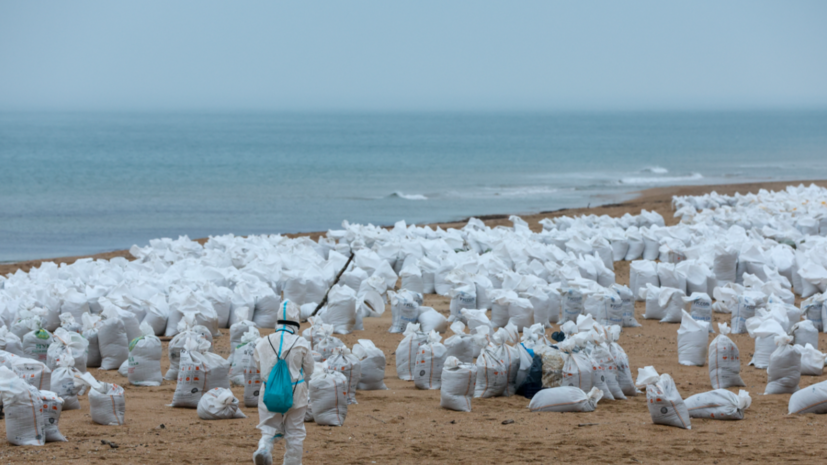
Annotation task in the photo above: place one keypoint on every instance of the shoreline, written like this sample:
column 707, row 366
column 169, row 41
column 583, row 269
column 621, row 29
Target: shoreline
column 657, row 198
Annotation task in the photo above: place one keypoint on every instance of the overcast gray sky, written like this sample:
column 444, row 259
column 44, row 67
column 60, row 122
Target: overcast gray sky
column 423, row 55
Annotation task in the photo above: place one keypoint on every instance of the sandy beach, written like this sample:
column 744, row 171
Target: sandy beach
column 406, row 425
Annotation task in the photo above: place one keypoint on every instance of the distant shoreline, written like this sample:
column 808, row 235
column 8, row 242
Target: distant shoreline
column 654, row 199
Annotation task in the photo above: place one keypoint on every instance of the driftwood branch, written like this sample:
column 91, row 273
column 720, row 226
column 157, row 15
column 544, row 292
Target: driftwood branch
column 335, row 281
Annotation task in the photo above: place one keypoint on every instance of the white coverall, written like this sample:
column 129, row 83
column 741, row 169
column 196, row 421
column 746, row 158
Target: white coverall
column 289, row 426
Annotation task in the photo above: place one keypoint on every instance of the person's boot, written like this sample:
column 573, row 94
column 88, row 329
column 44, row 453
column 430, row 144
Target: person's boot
column 264, row 454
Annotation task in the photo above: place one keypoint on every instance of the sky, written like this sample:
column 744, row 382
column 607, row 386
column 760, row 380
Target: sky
column 397, row 56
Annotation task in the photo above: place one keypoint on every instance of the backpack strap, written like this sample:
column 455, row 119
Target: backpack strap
column 278, row 357
column 278, row 352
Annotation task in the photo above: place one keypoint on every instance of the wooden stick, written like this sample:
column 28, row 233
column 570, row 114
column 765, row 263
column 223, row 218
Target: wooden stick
column 335, row 281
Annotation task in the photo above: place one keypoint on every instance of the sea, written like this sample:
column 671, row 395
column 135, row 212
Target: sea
column 83, row 183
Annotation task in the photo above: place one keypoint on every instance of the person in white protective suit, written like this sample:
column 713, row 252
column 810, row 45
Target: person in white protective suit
column 296, row 353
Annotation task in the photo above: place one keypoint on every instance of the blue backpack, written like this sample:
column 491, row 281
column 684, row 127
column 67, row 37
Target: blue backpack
column 279, row 388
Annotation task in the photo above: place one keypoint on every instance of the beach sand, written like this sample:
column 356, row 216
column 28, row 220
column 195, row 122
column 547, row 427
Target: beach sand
column 406, row 425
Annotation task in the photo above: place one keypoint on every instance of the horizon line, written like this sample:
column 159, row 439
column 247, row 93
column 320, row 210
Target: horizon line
column 413, row 110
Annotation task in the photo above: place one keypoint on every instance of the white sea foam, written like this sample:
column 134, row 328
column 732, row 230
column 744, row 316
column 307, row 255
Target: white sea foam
column 527, row 191
column 402, row 195
column 501, row 192
column 655, row 170
column 662, row 180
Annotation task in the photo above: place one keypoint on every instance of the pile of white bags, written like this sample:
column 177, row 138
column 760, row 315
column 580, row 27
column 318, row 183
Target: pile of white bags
column 693, row 337
column 328, row 397
column 565, row 399
column 458, row 381
column 145, row 358
column 219, row 404
column 372, row 361
column 665, row 403
column 719, row 404
column 724, row 360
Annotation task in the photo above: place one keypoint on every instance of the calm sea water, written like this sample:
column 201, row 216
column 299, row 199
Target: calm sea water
column 83, row 183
